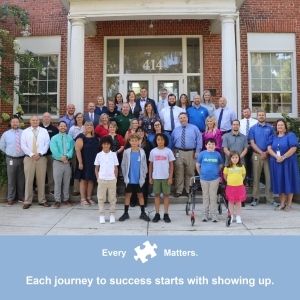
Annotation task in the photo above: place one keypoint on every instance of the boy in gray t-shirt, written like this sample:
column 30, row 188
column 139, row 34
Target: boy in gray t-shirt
column 161, row 173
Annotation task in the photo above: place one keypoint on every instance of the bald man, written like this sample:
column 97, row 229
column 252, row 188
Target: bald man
column 91, row 116
column 35, row 144
column 52, row 131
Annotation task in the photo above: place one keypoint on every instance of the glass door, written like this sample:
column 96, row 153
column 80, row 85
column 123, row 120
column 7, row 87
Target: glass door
column 136, row 82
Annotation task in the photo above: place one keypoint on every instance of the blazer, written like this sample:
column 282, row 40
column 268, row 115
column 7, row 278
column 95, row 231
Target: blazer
column 96, row 118
column 138, row 101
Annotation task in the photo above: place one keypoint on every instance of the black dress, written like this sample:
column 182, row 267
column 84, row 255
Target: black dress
column 89, row 152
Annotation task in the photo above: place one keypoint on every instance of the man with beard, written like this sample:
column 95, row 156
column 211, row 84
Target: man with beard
column 197, row 114
column 69, row 117
column 52, row 131
column 169, row 115
column 10, row 144
column 259, row 135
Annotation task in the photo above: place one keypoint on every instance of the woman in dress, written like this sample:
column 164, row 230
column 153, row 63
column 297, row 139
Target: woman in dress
column 148, row 118
column 134, row 124
column 207, row 103
column 100, row 107
column 102, row 129
column 284, row 165
column 159, row 128
column 212, row 131
column 119, row 101
column 135, row 109
column 184, row 102
column 112, row 110
column 86, row 147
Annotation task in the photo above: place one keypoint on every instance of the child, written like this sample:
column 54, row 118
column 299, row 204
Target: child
column 106, row 170
column 161, row 173
column 234, row 174
column 209, row 163
column 134, row 168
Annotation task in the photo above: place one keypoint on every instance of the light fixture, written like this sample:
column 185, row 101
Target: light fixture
column 151, row 25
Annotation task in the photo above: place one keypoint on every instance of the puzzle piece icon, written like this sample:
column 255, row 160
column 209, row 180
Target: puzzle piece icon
column 142, row 253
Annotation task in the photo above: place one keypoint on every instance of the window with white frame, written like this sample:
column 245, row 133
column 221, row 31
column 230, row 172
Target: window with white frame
column 272, row 73
column 40, row 89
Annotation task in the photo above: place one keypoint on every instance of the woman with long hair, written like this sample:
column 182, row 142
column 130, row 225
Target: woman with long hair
column 102, row 129
column 148, row 118
column 134, row 124
column 135, row 109
column 119, row 101
column 158, row 127
column 100, row 108
column 207, row 103
column 212, row 131
column 86, row 147
column 184, row 102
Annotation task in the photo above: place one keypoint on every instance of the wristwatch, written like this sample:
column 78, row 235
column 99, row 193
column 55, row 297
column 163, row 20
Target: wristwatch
column 40, row 154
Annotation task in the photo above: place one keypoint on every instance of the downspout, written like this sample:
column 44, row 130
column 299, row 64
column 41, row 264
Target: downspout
column 68, row 61
column 238, row 68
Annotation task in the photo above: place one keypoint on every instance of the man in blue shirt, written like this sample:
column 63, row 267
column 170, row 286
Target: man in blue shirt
column 259, row 135
column 69, row 117
column 197, row 114
column 11, row 145
column 187, row 141
column 62, row 148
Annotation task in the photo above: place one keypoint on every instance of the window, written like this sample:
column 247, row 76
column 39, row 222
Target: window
column 272, row 73
column 41, row 89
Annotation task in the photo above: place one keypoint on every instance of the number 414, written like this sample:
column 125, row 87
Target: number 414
column 147, row 66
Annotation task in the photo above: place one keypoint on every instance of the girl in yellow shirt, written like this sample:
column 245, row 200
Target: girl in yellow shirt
column 234, row 174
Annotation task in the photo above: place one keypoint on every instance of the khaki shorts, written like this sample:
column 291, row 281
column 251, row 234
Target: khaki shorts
column 161, row 185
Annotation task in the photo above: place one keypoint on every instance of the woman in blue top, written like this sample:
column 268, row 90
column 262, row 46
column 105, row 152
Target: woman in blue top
column 207, row 103
column 100, row 107
column 159, row 128
column 284, row 165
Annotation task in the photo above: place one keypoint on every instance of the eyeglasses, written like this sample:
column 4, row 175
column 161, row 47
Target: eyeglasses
column 156, row 125
column 141, row 131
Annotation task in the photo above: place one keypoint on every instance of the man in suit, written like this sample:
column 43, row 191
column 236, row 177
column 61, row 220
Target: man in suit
column 144, row 98
column 91, row 116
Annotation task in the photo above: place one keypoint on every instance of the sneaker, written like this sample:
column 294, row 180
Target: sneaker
column 214, row 218
column 152, row 195
column 144, row 217
column 156, row 218
column 238, row 220
column 102, row 220
column 254, row 202
column 273, row 203
column 124, row 217
column 204, row 217
column 161, row 195
column 112, row 219
column 166, row 218
column 231, row 218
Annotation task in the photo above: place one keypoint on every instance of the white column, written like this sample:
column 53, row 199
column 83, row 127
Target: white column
column 76, row 76
column 229, row 80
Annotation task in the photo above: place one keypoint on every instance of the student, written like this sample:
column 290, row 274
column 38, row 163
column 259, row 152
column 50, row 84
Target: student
column 106, row 170
column 234, row 174
column 161, row 173
column 208, row 165
column 134, row 168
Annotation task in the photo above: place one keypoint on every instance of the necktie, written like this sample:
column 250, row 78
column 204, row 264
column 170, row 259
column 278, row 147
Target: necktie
column 247, row 128
column 92, row 118
column 64, row 144
column 34, row 142
column 220, row 118
column 18, row 142
column 172, row 118
column 183, row 138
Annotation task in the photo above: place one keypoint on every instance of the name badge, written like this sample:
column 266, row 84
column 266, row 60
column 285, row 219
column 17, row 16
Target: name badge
column 11, row 162
column 278, row 153
column 149, row 127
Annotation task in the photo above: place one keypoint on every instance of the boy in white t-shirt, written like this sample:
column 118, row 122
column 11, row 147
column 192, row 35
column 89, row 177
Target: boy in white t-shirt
column 161, row 173
column 106, row 169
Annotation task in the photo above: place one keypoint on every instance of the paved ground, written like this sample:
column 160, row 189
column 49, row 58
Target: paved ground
column 78, row 220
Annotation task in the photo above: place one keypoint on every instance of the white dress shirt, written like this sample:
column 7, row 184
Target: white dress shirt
column 42, row 137
column 243, row 124
column 166, row 119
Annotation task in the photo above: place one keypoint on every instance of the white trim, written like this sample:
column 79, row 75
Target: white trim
column 123, row 78
column 274, row 43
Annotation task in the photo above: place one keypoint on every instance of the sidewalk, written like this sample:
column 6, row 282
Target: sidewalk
column 79, row 220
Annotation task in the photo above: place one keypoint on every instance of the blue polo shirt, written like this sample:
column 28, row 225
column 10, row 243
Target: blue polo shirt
column 260, row 135
column 197, row 116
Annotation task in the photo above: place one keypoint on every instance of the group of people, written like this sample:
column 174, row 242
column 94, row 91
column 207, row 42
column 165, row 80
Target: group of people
column 145, row 143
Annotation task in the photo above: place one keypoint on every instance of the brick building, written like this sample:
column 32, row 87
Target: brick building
column 246, row 50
